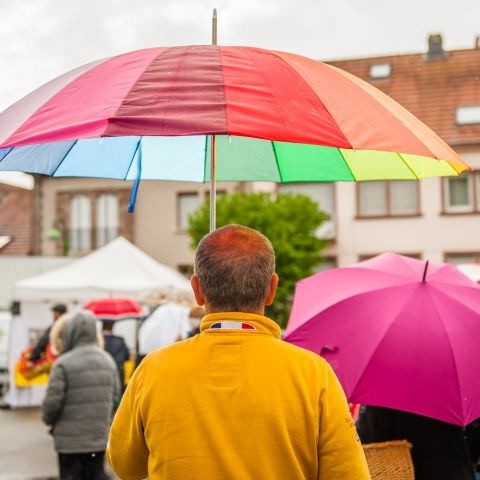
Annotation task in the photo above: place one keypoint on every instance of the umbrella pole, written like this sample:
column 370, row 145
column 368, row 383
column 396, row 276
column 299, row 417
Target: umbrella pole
column 214, row 27
column 213, row 187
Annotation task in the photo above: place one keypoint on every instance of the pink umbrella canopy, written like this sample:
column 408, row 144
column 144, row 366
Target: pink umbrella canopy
column 399, row 332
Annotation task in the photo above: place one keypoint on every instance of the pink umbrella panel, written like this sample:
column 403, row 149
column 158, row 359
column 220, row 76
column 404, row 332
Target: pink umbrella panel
column 393, row 340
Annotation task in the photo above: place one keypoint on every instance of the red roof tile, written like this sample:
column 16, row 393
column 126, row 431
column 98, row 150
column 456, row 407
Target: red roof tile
column 431, row 89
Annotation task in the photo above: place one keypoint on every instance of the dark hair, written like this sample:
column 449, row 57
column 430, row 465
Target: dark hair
column 60, row 308
column 234, row 266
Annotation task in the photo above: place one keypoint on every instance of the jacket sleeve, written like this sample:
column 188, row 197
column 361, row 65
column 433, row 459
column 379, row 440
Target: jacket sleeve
column 375, row 424
column 125, row 351
column 55, row 396
column 127, row 452
column 41, row 346
column 340, row 453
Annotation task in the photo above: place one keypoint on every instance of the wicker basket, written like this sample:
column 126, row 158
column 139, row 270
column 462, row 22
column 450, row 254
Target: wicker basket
column 390, row 460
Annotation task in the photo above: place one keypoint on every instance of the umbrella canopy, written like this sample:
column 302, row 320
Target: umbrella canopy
column 114, row 308
column 276, row 116
column 393, row 339
column 471, row 270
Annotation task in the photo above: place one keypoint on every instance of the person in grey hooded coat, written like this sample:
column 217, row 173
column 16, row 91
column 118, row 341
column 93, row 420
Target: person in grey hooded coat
column 82, row 392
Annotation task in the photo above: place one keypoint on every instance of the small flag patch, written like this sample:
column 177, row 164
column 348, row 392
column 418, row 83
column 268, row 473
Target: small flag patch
column 231, row 325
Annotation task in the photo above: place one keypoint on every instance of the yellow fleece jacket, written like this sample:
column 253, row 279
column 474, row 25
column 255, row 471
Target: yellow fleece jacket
column 235, row 404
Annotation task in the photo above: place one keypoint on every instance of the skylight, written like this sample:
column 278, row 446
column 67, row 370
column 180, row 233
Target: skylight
column 468, row 115
column 380, row 70
column 4, row 240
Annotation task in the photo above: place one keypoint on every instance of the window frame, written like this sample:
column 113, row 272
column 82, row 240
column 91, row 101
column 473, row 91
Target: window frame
column 367, row 256
column 89, row 231
column 180, row 194
column 475, row 200
column 388, row 214
column 327, row 258
column 474, row 254
column 64, row 195
column 333, row 217
column 382, row 67
column 107, row 227
column 466, row 123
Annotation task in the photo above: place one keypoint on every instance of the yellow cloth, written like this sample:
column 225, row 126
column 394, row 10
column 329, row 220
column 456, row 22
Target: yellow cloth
column 235, row 404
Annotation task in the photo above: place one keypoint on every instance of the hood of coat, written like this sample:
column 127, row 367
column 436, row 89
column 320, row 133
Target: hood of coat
column 80, row 330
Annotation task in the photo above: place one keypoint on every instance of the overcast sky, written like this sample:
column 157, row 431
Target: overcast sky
column 41, row 39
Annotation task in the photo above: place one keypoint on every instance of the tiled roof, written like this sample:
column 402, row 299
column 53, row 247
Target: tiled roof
column 432, row 89
column 15, row 219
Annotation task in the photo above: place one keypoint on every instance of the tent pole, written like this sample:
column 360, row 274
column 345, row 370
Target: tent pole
column 213, row 186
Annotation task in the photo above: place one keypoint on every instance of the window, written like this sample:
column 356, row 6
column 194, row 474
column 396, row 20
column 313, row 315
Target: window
column 107, row 218
column 468, row 115
column 80, row 224
column 327, row 263
column 393, row 198
column 462, row 194
column 368, row 256
column 463, row 257
column 187, row 203
column 324, row 195
column 380, row 70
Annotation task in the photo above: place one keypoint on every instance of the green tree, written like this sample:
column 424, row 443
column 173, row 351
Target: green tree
column 288, row 220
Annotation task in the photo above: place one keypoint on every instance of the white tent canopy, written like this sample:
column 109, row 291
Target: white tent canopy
column 118, row 268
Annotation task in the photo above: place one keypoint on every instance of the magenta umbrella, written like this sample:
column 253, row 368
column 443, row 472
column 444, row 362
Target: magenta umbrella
column 399, row 332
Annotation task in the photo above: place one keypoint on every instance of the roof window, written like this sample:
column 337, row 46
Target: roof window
column 4, row 240
column 380, row 70
column 468, row 115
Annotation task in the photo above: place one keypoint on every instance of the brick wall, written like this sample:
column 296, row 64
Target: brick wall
column 16, row 219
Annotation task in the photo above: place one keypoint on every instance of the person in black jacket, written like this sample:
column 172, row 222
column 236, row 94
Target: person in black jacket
column 57, row 311
column 439, row 449
column 117, row 348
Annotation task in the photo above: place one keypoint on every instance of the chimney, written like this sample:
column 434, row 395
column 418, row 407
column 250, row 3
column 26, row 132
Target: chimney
column 435, row 48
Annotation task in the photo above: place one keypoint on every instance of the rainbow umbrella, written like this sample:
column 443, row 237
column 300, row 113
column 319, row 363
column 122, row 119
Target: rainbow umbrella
column 207, row 113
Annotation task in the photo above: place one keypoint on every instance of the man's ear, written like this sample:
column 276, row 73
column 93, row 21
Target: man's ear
column 273, row 288
column 196, row 290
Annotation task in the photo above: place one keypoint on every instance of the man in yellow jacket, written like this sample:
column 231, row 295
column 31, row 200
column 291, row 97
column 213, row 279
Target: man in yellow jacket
column 235, row 401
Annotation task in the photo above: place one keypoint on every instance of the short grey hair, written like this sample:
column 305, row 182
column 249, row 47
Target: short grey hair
column 234, row 266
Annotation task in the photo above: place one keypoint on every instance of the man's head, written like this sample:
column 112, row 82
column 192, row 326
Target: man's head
column 58, row 310
column 107, row 326
column 234, row 271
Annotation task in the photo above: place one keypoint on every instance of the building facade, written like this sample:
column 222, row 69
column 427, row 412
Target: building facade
column 436, row 219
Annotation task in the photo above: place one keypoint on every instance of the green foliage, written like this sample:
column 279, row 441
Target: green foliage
column 289, row 221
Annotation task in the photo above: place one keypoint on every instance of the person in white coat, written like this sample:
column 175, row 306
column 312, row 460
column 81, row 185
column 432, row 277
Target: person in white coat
column 166, row 325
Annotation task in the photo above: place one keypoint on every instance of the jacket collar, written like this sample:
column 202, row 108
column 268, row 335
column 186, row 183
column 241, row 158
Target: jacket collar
column 261, row 324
